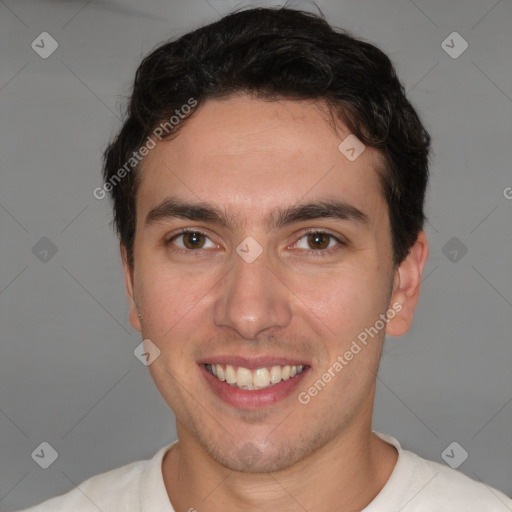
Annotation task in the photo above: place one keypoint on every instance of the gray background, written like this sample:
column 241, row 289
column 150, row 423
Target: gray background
column 68, row 375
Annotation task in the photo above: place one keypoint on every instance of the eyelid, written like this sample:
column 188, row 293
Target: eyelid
column 342, row 241
column 336, row 236
column 340, row 238
column 181, row 231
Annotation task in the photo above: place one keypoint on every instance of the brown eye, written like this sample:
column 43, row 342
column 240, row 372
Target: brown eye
column 193, row 240
column 319, row 240
column 319, row 243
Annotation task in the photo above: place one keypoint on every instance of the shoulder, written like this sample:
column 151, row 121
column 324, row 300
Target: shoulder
column 446, row 489
column 117, row 489
column 420, row 485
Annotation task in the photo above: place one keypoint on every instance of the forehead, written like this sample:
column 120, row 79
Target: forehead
column 247, row 154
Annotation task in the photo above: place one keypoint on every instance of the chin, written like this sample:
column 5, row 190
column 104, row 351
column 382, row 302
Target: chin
column 251, row 460
column 251, row 456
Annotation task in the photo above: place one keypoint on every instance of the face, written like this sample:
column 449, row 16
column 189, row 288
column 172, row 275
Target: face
column 262, row 253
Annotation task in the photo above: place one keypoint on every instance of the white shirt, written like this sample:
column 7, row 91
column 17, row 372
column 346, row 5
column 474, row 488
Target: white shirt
column 415, row 485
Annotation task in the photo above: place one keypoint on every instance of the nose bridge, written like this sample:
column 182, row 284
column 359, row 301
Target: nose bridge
column 252, row 298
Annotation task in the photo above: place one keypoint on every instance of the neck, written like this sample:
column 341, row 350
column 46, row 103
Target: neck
column 344, row 475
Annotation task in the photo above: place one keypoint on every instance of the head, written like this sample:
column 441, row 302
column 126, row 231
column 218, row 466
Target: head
column 293, row 250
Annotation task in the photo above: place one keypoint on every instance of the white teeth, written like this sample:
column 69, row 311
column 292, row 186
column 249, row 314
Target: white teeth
column 257, row 379
column 261, row 378
column 243, row 377
column 275, row 373
column 220, row 372
column 230, row 375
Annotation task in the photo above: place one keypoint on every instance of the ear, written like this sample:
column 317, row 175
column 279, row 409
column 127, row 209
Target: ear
column 406, row 287
column 128, row 281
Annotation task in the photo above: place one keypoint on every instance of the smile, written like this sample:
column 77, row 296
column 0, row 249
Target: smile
column 260, row 378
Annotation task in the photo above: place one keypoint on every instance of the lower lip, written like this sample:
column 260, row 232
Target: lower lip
column 255, row 399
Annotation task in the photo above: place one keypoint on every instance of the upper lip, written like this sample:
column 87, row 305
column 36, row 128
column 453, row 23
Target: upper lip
column 253, row 363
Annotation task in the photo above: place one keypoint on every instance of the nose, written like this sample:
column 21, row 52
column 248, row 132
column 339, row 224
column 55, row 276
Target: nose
column 252, row 299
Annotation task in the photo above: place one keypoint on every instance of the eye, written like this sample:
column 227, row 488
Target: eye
column 191, row 239
column 317, row 241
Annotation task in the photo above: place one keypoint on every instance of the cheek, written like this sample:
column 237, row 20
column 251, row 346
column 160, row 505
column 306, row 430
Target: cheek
column 174, row 311
column 170, row 299
column 345, row 300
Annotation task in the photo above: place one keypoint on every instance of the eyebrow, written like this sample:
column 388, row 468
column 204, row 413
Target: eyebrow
column 172, row 208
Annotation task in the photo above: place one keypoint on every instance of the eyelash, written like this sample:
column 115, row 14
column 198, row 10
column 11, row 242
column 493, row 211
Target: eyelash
column 323, row 252
column 316, row 253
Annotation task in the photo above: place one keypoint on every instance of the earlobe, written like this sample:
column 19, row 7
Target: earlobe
column 406, row 286
column 128, row 281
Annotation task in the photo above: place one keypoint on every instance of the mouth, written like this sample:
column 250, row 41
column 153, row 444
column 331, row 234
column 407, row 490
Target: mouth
column 260, row 378
column 265, row 383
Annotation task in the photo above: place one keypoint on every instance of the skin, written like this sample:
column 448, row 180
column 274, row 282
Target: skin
column 249, row 157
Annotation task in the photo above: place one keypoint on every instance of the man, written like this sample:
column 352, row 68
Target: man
column 268, row 189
